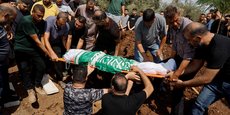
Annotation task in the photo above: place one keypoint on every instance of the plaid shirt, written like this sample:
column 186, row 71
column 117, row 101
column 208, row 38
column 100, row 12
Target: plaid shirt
column 79, row 101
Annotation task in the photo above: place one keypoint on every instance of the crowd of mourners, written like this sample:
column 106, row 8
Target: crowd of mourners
column 35, row 34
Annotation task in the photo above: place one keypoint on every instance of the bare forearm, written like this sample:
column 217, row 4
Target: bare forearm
column 68, row 43
column 206, row 77
column 129, row 87
column 49, row 48
column 42, row 47
column 117, row 49
column 80, row 43
column 194, row 66
column 181, row 68
column 163, row 41
column 148, row 85
column 141, row 49
column 197, row 81
column 123, row 9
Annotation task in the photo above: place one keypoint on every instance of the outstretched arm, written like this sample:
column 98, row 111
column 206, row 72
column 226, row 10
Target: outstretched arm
column 39, row 44
column 148, row 85
column 131, row 76
column 48, row 46
column 205, row 78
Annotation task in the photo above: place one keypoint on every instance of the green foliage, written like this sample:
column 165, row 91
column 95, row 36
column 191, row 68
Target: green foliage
column 189, row 8
column 103, row 4
column 130, row 4
column 222, row 5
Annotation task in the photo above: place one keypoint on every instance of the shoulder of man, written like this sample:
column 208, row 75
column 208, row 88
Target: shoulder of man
column 81, row 6
column 185, row 22
column 139, row 21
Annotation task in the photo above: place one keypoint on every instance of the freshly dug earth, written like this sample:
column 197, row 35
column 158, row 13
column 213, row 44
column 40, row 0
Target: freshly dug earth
column 53, row 104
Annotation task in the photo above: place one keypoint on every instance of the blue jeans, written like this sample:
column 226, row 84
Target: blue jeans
column 138, row 57
column 209, row 94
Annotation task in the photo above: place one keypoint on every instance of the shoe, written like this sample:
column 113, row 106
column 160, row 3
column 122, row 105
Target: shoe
column 40, row 90
column 31, row 96
column 11, row 101
column 62, row 84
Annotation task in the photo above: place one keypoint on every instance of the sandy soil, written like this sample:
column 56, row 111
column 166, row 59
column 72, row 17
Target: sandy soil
column 53, row 104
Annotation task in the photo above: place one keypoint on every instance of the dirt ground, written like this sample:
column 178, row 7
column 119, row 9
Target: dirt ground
column 53, row 104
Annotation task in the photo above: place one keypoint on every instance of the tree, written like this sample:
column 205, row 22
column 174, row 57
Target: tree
column 222, row 5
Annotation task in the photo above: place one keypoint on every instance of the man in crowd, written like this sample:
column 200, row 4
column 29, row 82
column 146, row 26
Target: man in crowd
column 132, row 19
column 77, row 98
column 202, row 19
column 51, row 8
column 87, row 10
column 183, row 53
column 30, row 51
column 56, row 33
column 64, row 8
column 210, row 20
column 7, row 15
column 218, row 25
column 22, row 10
column 116, row 9
column 150, row 34
column 108, row 39
column 124, row 20
column 119, row 101
column 215, row 77
column 77, row 33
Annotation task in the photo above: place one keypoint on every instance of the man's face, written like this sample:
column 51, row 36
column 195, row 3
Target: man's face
column 209, row 16
column 59, row 2
column 174, row 22
column 227, row 20
column 47, row 2
column 126, row 12
column 134, row 12
column 78, row 24
column 61, row 22
column 90, row 6
column 202, row 18
column 23, row 7
column 7, row 18
column 37, row 15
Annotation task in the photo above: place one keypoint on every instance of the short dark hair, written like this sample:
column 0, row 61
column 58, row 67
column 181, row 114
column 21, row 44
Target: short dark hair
column 79, row 74
column 215, row 10
column 90, row 1
column 101, row 15
column 202, row 14
column 27, row 2
column 81, row 19
column 119, row 82
column 135, row 9
column 38, row 7
column 170, row 12
column 62, row 15
column 148, row 15
column 228, row 15
column 211, row 11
